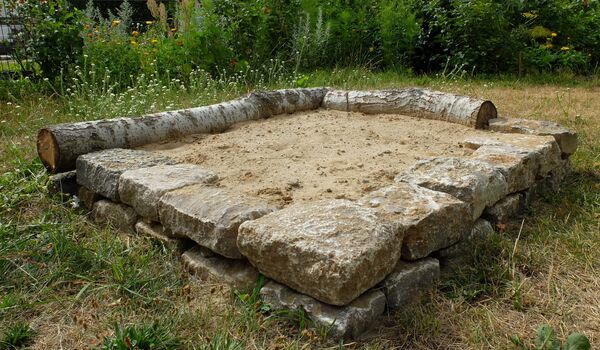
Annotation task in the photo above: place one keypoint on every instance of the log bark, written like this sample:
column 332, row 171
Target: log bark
column 415, row 102
column 59, row 145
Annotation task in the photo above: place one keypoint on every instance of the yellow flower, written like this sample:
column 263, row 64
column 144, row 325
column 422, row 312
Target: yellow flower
column 154, row 41
column 371, row 49
column 115, row 22
column 133, row 42
column 173, row 30
column 564, row 48
column 549, row 46
column 554, row 35
column 135, row 34
column 149, row 22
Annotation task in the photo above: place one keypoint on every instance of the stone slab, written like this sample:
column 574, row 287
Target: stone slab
column 87, row 197
column 157, row 232
column 409, row 281
column 473, row 181
column 525, row 157
column 142, row 188
column 118, row 215
column 430, row 220
column 65, row 183
column 100, row 171
column 332, row 251
column 566, row 138
column 345, row 322
column 505, row 209
column 205, row 264
column 210, row 216
column 462, row 253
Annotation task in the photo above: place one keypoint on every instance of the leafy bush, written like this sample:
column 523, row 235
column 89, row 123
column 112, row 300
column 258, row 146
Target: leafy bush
column 50, row 36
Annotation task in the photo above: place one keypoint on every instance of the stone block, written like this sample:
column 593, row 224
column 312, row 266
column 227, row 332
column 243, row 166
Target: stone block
column 205, row 264
column 566, row 138
column 142, row 188
column 430, row 220
column 87, row 197
column 462, row 253
column 100, row 171
column 472, row 181
column 210, row 216
column 505, row 208
column 409, row 280
column 345, row 322
column 118, row 215
column 332, row 251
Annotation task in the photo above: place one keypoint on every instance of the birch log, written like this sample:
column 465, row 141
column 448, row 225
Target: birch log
column 415, row 102
column 59, row 145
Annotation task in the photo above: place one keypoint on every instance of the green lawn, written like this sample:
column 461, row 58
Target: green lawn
column 67, row 283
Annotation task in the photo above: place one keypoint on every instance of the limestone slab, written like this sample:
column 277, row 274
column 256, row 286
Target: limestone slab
column 505, row 208
column 205, row 264
column 462, row 253
column 409, row 280
column 87, row 197
column 332, row 251
column 566, row 138
column 115, row 214
column 473, row 181
column 346, row 322
column 142, row 188
column 530, row 156
column 100, row 171
column 209, row 215
column 430, row 220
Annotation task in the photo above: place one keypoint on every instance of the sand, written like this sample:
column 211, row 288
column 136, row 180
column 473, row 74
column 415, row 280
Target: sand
column 318, row 154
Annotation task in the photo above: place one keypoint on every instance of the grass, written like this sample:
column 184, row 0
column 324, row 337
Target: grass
column 76, row 285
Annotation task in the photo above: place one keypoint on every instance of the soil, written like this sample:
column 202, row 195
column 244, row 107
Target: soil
column 317, row 154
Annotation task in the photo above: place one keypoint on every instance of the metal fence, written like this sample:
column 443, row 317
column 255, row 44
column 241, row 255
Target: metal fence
column 10, row 24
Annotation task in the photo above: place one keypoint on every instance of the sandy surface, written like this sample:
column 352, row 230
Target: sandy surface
column 317, row 154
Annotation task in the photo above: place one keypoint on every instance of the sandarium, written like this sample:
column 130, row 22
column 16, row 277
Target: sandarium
column 350, row 203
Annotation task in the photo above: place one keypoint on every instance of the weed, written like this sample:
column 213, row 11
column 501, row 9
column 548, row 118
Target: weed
column 146, row 337
column 17, row 336
column 546, row 340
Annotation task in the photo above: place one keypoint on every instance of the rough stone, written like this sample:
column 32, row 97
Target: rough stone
column 118, row 215
column 142, row 188
column 209, row 215
column 346, row 322
column 332, row 251
column 157, row 232
column 523, row 158
column 64, row 183
column 473, row 181
column 566, row 138
column 100, row 171
column 462, row 253
column 409, row 280
column 505, row 208
column 205, row 264
column 87, row 197
column 430, row 220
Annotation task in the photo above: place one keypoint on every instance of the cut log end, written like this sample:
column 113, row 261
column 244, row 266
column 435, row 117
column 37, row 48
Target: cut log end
column 48, row 150
column 486, row 112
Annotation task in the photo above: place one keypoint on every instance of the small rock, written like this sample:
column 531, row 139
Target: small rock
column 142, row 188
column 210, row 216
column 343, row 322
column 473, row 181
column 409, row 280
column 118, row 215
column 332, row 250
column 87, row 197
column 205, row 264
column 100, row 171
column 156, row 231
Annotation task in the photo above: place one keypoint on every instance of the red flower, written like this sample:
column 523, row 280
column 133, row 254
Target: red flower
column 233, row 62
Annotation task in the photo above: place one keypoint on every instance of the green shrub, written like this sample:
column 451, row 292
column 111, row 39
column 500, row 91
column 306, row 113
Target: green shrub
column 50, row 36
column 398, row 31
